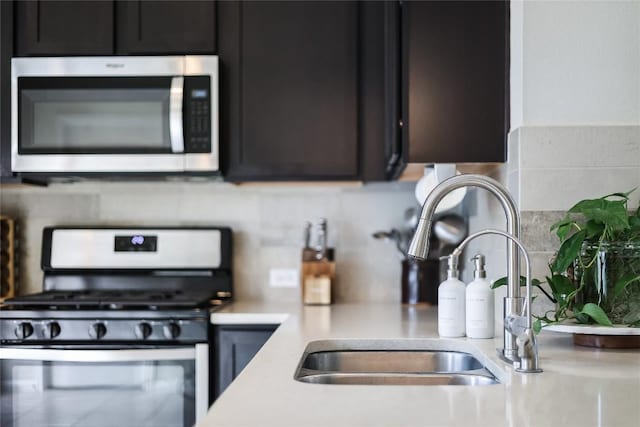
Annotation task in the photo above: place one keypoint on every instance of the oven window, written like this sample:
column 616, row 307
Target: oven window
column 94, row 115
column 39, row 394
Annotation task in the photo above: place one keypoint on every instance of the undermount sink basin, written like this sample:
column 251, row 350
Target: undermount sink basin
column 376, row 366
column 398, row 379
column 391, row 361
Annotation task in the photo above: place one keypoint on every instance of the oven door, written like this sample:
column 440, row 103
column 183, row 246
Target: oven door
column 103, row 387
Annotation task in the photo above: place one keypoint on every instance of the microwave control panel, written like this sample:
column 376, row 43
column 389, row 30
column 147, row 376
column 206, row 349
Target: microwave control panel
column 197, row 113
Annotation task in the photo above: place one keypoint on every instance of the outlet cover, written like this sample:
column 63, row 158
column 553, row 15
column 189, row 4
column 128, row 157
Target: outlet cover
column 284, row 278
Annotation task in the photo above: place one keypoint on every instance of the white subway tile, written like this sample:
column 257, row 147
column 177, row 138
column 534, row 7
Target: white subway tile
column 579, row 147
column 559, row 189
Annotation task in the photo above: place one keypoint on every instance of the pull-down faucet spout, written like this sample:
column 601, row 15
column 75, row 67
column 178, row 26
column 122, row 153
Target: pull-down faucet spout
column 420, row 243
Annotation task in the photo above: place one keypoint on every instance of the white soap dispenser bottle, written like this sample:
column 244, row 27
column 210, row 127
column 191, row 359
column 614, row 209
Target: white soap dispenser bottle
column 479, row 302
column 451, row 300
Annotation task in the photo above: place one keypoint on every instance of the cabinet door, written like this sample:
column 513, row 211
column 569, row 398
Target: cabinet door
column 289, row 94
column 234, row 347
column 455, row 82
column 64, row 27
column 166, row 27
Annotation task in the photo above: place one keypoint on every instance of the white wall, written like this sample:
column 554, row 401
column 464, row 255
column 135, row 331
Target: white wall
column 575, row 101
column 575, row 63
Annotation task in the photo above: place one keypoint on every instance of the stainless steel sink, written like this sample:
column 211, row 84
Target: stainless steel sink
column 398, row 379
column 391, row 361
column 392, row 367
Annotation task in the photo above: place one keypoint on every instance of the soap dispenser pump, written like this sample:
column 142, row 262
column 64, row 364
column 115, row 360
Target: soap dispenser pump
column 451, row 302
column 479, row 302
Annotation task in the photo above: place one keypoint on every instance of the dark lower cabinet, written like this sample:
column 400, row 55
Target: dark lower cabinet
column 233, row 348
column 168, row 27
column 49, row 27
column 294, row 86
column 455, row 77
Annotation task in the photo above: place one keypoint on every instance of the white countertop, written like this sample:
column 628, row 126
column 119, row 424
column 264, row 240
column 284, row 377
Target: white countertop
column 579, row 386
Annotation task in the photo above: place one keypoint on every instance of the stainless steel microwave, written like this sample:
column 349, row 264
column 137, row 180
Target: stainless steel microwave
column 114, row 114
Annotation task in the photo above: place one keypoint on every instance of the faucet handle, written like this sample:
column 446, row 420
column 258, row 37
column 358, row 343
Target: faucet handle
column 527, row 352
column 516, row 325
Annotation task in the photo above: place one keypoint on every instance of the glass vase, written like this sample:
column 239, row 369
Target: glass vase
column 602, row 270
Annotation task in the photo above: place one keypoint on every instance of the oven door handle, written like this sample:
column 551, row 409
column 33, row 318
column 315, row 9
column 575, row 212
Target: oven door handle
column 175, row 115
column 99, row 355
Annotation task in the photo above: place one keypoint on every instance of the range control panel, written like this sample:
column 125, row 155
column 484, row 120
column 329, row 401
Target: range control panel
column 197, row 110
column 16, row 331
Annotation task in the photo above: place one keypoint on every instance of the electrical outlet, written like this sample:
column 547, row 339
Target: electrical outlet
column 284, row 278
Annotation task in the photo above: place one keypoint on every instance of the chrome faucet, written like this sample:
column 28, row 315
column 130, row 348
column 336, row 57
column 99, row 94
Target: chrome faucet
column 419, row 247
column 521, row 325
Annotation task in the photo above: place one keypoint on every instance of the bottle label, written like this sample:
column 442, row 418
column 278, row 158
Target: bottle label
column 451, row 315
column 479, row 316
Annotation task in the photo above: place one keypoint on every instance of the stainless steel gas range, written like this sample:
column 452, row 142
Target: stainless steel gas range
column 120, row 335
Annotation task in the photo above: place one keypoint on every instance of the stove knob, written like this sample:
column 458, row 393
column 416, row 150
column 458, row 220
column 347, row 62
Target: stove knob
column 24, row 330
column 143, row 330
column 53, row 329
column 97, row 331
column 171, row 330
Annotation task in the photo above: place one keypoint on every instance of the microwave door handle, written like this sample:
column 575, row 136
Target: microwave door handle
column 175, row 115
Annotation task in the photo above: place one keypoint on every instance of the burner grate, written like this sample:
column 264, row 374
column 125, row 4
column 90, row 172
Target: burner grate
column 112, row 299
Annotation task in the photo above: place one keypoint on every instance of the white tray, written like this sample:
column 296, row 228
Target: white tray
column 573, row 328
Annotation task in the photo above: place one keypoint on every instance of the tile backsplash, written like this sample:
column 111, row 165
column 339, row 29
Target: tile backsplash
column 267, row 222
column 557, row 166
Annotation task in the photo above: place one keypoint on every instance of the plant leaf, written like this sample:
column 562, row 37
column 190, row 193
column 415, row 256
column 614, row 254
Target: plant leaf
column 622, row 283
column 563, row 226
column 582, row 318
column 499, row 282
column 568, row 252
column 616, row 217
column 596, row 313
column 623, row 195
column 612, row 213
column 563, row 221
column 562, row 284
column 537, row 326
column 594, row 229
column 564, row 230
column 523, row 282
column 551, row 284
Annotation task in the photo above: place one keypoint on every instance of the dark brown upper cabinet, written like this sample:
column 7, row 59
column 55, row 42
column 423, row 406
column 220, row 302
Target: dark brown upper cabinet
column 291, row 106
column 167, row 27
column 64, row 27
column 455, row 77
column 294, row 85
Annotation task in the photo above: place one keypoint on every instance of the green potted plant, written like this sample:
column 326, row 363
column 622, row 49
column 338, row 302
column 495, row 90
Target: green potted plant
column 595, row 275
